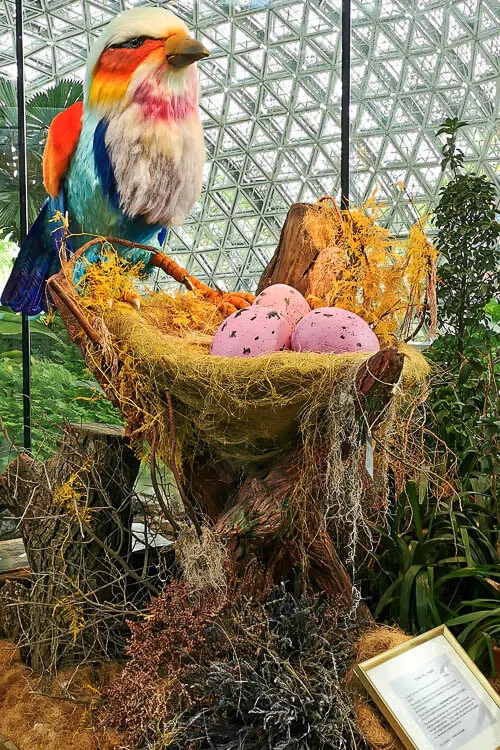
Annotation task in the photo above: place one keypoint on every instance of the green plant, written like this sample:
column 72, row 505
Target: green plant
column 464, row 411
column 467, row 239
column 62, row 390
column 40, row 111
column 482, row 629
column 57, row 396
column 431, row 558
column 464, row 400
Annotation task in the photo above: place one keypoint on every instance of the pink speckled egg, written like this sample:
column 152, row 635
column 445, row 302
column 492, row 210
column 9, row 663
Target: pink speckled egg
column 252, row 332
column 287, row 300
column 332, row 329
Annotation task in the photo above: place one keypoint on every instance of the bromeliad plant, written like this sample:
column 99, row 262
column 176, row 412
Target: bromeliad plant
column 436, row 560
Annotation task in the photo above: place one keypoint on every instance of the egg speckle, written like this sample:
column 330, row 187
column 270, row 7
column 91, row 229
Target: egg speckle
column 332, row 329
column 252, row 332
column 286, row 300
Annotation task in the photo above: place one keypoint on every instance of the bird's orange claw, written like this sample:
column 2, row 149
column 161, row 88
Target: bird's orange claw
column 230, row 302
column 129, row 298
column 132, row 298
column 226, row 302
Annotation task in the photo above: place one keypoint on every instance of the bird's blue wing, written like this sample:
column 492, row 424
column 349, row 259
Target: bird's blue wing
column 162, row 234
column 103, row 164
column 38, row 260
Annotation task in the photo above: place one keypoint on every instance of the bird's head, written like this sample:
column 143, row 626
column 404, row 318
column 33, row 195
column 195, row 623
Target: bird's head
column 144, row 56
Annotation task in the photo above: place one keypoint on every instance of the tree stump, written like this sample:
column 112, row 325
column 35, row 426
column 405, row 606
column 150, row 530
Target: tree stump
column 295, row 254
column 74, row 513
column 249, row 507
column 252, row 512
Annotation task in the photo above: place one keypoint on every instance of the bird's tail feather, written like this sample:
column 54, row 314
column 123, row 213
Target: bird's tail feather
column 25, row 289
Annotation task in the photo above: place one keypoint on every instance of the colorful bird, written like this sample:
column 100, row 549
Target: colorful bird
column 127, row 161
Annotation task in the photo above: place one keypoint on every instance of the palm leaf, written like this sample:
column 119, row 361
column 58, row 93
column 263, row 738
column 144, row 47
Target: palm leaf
column 40, row 111
column 8, row 104
column 44, row 106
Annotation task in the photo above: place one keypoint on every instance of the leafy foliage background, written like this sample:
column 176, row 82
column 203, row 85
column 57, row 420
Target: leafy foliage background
column 40, row 111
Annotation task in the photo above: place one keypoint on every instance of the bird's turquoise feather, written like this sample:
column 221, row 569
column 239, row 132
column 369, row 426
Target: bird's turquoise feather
column 87, row 199
column 128, row 162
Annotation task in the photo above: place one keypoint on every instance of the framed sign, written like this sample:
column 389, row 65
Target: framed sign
column 433, row 695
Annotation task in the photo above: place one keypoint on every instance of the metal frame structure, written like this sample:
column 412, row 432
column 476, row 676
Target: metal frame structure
column 23, row 218
column 271, row 106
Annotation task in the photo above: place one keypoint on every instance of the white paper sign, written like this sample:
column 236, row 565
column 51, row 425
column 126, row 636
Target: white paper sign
column 443, row 703
column 437, row 699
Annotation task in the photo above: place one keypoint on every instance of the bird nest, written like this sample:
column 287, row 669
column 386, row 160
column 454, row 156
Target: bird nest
column 155, row 365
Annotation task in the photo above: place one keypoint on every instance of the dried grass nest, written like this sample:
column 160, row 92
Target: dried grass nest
column 241, row 408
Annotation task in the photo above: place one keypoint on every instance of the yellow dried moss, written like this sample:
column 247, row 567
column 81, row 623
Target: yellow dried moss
column 362, row 267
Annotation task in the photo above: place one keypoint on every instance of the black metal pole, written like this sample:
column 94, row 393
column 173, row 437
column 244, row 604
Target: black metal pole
column 345, row 103
column 23, row 216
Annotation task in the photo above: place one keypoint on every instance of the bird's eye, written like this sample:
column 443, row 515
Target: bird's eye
column 135, row 42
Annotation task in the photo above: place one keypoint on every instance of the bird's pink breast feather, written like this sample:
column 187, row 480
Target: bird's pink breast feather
column 157, row 107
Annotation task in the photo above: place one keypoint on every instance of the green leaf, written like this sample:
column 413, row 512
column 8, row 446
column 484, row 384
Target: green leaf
column 476, row 649
column 411, row 493
column 492, row 309
column 10, row 329
column 466, row 542
column 406, row 597
column 422, row 600
column 475, row 572
column 464, row 373
column 471, row 617
column 11, row 325
column 387, row 597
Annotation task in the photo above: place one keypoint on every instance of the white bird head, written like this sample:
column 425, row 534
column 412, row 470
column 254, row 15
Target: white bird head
column 143, row 56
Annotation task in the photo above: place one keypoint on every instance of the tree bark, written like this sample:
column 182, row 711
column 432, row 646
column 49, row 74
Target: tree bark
column 75, row 518
column 295, row 254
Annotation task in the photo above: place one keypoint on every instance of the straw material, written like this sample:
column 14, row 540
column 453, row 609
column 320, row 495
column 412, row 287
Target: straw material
column 372, row 725
column 34, row 720
column 241, row 408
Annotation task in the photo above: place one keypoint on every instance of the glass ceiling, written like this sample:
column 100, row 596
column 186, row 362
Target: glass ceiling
column 271, row 106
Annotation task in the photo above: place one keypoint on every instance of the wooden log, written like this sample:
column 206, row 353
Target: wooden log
column 75, row 518
column 295, row 254
column 264, row 524
column 376, row 380
column 211, row 484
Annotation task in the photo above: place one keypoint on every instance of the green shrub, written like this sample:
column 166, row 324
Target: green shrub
column 434, row 560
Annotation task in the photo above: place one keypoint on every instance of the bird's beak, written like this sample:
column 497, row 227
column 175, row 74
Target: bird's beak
column 182, row 51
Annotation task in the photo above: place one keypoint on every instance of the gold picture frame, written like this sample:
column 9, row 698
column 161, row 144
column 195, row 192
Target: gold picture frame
column 381, row 694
